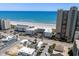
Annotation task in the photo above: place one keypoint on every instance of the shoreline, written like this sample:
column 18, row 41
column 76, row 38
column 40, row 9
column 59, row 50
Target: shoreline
column 39, row 25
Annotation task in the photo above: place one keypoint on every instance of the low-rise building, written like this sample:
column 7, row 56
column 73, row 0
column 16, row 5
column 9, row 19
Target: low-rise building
column 40, row 30
column 31, row 31
column 40, row 44
column 48, row 33
column 21, row 28
column 25, row 42
column 9, row 39
column 75, row 48
column 26, row 51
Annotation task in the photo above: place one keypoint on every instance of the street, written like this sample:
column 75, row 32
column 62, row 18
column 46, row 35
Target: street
column 2, row 52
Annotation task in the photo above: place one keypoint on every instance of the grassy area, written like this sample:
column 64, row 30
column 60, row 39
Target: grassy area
column 13, row 26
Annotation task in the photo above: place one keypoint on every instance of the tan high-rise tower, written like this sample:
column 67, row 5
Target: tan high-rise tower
column 66, row 23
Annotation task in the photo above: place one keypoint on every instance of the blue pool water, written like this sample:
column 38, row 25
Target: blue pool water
column 30, row 16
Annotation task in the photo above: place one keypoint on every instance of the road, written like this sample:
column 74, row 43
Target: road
column 2, row 52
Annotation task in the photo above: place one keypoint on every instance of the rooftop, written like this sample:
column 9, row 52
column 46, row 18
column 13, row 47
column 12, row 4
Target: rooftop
column 48, row 30
column 27, row 50
column 22, row 26
column 24, row 40
column 77, row 43
column 8, row 38
column 34, row 28
column 39, row 44
column 59, row 48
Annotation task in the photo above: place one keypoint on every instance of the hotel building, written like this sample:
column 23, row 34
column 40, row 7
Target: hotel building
column 4, row 24
column 67, row 23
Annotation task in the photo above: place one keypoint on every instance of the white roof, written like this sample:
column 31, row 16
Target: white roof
column 32, row 28
column 48, row 30
column 8, row 38
column 24, row 40
column 77, row 43
column 77, row 32
column 40, row 44
column 21, row 26
column 27, row 50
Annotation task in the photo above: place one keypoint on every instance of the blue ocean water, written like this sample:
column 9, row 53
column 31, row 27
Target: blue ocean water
column 30, row 16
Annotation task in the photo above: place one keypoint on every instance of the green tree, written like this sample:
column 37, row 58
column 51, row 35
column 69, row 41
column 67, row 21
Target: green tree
column 70, row 52
column 13, row 26
column 51, row 48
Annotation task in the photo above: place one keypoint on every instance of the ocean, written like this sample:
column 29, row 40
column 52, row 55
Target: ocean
column 48, row 17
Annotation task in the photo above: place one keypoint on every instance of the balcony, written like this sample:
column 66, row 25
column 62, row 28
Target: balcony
column 63, row 31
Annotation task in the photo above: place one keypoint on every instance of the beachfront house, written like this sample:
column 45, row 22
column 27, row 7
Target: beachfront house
column 48, row 33
column 21, row 28
column 40, row 30
column 9, row 39
column 31, row 31
column 24, row 51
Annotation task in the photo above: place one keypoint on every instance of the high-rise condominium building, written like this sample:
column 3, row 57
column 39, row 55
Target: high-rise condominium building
column 67, row 23
column 4, row 24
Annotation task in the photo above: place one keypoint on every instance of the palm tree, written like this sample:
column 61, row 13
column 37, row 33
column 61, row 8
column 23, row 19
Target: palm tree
column 53, row 46
column 35, row 40
column 51, row 49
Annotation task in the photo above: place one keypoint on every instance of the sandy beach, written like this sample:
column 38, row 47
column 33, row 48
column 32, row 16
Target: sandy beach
column 39, row 25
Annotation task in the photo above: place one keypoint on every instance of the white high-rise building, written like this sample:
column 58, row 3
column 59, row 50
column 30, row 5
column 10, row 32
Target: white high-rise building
column 4, row 24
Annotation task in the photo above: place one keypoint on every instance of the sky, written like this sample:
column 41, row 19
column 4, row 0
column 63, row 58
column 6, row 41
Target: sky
column 35, row 6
